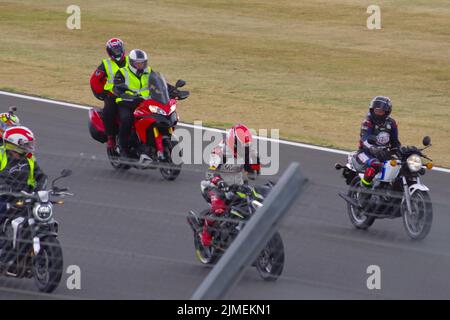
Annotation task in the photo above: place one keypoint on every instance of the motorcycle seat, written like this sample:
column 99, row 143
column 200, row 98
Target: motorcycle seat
column 359, row 167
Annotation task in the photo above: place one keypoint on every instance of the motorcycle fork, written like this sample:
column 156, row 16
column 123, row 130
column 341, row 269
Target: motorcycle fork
column 407, row 195
column 158, row 139
column 21, row 253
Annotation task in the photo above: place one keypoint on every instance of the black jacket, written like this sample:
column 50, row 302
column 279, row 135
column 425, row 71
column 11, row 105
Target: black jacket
column 15, row 175
column 376, row 135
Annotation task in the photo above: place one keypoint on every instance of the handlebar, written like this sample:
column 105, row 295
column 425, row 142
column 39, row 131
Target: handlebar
column 34, row 195
column 402, row 152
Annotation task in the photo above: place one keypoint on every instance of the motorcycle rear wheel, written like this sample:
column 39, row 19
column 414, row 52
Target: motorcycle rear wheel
column 114, row 160
column 169, row 170
column 356, row 215
column 270, row 262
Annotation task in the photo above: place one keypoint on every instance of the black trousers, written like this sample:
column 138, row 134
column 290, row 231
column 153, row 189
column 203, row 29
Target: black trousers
column 126, row 123
column 3, row 203
column 109, row 115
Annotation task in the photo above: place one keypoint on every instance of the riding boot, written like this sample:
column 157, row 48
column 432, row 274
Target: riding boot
column 205, row 237
column 127, row 155
column 111, row 143
column 366, row 184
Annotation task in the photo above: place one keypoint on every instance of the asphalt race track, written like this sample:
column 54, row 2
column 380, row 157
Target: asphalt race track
column 128, row 233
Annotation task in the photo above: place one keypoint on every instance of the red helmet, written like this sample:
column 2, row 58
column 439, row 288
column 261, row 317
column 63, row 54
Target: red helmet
column 116, row 49
column 19, row 139
column 239, row 137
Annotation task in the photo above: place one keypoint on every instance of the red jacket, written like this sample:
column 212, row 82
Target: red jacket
column 98, row 80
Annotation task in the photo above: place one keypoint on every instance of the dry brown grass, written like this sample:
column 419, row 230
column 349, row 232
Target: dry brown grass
column 307, row 67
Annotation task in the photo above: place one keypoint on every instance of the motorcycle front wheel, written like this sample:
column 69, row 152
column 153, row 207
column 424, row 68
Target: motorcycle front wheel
column 418, row 223
column 48, row 265
column 169, row 170
column 270, row 262
column 206, row 255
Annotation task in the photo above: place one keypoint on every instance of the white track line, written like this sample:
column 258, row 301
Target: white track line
column 290, row 143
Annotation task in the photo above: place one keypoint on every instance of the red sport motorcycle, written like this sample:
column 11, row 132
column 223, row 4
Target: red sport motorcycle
column 155, row 119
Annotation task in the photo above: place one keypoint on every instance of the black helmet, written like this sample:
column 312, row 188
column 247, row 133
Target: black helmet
column 380, row 108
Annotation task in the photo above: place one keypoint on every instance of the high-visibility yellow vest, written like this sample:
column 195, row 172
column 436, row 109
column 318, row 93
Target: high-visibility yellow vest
column 4, row 161
column 111, row 68
column 134, row 84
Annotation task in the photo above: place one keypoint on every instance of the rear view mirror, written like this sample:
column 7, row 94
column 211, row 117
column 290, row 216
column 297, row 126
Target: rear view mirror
column 66, row 173
column 183, row 95
column 180, row 83
column 426, row 141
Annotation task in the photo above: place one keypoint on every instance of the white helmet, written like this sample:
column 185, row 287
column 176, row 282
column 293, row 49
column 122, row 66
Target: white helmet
column 137, row 61
column 19, row 139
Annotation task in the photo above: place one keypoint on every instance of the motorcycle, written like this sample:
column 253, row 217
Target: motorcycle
column 397, row 191
column 245, row 200
column 155, row 119
column 30, row 247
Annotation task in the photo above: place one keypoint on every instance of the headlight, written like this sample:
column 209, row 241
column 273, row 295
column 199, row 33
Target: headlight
column 157, row 110
column 43, row 212
column 173, row 108
column 256, row 204
column 414, row 163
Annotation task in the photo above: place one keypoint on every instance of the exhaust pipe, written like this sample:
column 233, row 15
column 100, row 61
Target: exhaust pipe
column 349, row 200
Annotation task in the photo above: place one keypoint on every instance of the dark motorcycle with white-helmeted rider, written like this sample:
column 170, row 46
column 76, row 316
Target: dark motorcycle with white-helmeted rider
column 29, row 236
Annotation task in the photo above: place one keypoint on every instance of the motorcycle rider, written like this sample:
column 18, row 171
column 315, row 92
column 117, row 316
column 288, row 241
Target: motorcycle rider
column 232, row 163
column 102, row 82
column 19, row 171
column 379, row 133
column 131, row 86
column 7, row 119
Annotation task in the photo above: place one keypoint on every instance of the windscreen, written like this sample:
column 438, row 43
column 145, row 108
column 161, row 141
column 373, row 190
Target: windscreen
column 158, row 88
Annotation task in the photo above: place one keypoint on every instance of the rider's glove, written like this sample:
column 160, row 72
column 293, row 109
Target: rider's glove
column 138, row 99
column 379, row 153
column 222, row 185
column 218, row 181
column 384, row 155
column 375, row 151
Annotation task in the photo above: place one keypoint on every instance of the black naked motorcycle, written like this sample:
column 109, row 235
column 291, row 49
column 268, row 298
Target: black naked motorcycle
column 29, row 236
column 245, row 200
column 397, row 191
